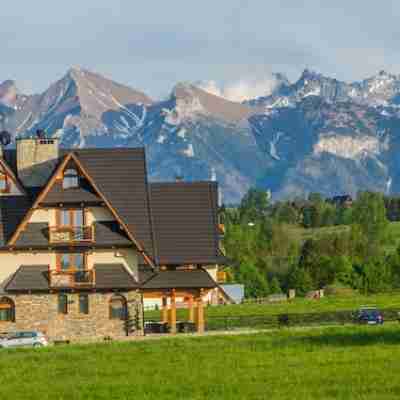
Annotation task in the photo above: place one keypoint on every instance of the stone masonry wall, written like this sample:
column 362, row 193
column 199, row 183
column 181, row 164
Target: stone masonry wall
column 40, row 312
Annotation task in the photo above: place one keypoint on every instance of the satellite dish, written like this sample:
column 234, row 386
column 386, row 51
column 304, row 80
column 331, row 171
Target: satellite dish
column 5, row 138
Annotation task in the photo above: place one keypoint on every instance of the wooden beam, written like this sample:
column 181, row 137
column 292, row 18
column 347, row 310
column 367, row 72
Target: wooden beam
column 38, row 200
column 200, row 313
column 173, row 313
column 164, row 312
column 191, row 309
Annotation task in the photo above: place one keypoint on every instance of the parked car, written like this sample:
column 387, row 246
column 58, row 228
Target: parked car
column 24, row 339
column 369, row 315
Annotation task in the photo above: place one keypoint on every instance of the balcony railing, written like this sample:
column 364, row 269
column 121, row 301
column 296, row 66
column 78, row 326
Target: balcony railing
column 72, row 279
column 68, row 234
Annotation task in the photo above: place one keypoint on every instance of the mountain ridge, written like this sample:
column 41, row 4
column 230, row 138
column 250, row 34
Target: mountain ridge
column 314, row 134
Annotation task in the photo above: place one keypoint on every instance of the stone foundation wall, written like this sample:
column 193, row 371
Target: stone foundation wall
column 40, row 312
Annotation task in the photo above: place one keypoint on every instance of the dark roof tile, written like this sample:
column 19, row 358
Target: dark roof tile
column 113, row 276
column 29, row 277
column 197, row 278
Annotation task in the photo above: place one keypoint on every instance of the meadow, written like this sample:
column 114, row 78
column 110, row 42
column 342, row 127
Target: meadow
column 326, row 363
column 298, row 305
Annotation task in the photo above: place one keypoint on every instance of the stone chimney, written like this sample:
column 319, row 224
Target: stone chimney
column 36, row 159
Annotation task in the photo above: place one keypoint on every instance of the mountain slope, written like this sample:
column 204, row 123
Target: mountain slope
column 315, row 134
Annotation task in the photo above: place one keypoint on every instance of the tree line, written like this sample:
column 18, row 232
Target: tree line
column 273, row 247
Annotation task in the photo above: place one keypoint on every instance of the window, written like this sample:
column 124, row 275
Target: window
column 70, row 218
column 7, row 309
column 84, row 304
column 71, row 261
column 71, row 179
column 118, row 308
column 62, row 303
column 4, row 184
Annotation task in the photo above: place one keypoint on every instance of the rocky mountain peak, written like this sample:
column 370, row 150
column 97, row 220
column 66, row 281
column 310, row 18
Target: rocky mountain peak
column 8, row 93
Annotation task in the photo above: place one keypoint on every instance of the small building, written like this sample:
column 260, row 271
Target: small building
column 84, row 237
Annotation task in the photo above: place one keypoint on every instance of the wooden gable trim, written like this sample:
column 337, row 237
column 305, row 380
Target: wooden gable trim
column 10, row 175
column 52, row 181
column 38, row 200
column 112, row 209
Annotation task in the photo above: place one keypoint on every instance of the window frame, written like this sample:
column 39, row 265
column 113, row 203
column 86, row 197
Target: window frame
column 70, row 174
column 71, row 215
column 6, row 179
column 62, row 308
column 72, row 265
column 84, row 306
column 7, row 304
column 122, row 316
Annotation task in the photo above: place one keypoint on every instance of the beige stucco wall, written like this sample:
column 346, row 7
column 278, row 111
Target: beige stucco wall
column 11, row 261
column 98, row 214
column 47, row 215
column 212, row 270
column 127, row 257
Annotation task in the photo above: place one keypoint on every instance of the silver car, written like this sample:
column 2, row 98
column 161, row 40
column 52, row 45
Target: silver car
column 24, row 339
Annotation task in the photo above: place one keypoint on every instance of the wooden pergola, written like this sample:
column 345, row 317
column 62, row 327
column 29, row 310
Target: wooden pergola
column 194, row 302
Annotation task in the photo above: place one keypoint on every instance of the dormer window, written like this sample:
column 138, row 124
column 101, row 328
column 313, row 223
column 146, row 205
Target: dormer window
column 71, row 179
column 4, row 184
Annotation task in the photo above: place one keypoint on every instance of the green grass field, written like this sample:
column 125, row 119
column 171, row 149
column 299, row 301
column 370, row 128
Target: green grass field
column 330, row 363
column 299, row 305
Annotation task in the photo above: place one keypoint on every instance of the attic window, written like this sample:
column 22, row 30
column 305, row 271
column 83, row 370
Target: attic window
column 4, row 184
column 71, row 179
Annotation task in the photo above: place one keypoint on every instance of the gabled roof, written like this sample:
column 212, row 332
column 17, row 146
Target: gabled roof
column 197, row 278
column 113, row 276
column 185, row 222
column 121, row 184
column 29, row 277
column 122, row 179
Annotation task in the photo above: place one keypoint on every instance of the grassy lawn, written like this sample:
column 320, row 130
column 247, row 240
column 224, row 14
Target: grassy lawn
column 335, row 363
column 299, row 305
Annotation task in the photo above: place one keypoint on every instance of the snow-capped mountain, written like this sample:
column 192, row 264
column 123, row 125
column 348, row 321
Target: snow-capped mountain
column 315, row 134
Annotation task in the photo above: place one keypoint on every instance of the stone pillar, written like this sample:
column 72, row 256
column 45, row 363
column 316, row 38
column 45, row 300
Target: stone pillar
column 135, row 314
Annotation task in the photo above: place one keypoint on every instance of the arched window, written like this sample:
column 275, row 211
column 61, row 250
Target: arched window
column 7, row 309
column 71, row 179
column 118, row 308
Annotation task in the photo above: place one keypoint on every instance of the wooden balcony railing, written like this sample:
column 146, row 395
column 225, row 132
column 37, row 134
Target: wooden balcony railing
column 72, row 279
column 68, row 234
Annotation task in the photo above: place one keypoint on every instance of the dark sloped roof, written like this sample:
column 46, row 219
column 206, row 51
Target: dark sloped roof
column 84, row 193
column 197, row 278
column 113, row 276
column 12, row 211
column 185, row 222
column 120, row 174
column 29, row 277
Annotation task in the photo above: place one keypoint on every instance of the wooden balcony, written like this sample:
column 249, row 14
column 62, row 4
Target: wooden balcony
column 69, row 234
column 72, row 279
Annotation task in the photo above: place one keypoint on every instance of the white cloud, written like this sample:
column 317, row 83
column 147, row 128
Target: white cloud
column 243, row 89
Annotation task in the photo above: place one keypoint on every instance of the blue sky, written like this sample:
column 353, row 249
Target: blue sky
column 151, row 45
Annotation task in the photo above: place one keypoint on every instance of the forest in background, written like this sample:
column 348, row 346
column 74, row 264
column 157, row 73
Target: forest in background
column 313, row 243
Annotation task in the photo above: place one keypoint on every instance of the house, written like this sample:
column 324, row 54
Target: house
column 84, row 238
column 345, row 201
